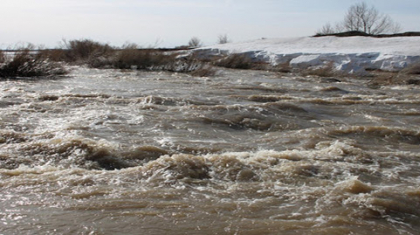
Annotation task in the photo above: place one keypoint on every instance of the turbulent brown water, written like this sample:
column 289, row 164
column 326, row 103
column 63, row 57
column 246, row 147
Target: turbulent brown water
column 245, row 152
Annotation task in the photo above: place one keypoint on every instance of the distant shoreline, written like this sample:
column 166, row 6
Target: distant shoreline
column 362, row 34
column 59, row 49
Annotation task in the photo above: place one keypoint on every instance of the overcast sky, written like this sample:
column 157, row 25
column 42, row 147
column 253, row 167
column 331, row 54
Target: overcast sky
column 168, row 23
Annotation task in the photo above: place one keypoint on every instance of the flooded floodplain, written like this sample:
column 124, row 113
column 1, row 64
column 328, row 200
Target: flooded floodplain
column 244, row 152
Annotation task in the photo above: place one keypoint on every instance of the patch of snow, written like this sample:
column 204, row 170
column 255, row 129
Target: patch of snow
column 347, row 54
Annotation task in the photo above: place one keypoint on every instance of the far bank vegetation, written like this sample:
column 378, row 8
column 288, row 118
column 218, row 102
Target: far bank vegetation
column 25, row 63
column 29, row 61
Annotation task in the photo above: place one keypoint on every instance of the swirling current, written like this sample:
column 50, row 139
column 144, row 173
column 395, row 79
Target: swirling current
column 244, row 152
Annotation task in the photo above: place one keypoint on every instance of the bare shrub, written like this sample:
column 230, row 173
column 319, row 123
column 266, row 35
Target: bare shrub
column 28, row 63
column 143, row 59
column 223, row 39
column 195, row 42
column 236, row 61
column 85, row 50
column 132, row 58
column 188, row 64
column 328, row 28
column 54, row 54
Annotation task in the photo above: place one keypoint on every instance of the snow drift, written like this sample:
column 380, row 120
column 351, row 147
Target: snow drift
column 346, row 54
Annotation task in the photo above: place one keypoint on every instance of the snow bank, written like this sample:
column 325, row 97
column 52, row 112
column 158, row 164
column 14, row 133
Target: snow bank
column 347, row 54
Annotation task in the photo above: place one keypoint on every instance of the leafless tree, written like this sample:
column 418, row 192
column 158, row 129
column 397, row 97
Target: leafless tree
column 361, row 17
column 195, row 42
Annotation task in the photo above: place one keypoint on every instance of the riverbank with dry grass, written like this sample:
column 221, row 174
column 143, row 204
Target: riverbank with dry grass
column 30, row 61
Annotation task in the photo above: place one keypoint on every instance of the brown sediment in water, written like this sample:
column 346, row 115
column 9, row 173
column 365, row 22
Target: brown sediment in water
column 243, row 152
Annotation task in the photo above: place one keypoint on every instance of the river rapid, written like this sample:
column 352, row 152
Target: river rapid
column 244, row 152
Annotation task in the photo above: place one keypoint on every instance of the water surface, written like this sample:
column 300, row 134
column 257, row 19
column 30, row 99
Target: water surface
column 245, row 152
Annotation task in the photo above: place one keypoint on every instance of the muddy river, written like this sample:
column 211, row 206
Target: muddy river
column 244, row 152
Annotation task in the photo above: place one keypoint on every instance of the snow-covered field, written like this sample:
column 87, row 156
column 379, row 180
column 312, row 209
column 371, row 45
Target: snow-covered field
column 347, row 54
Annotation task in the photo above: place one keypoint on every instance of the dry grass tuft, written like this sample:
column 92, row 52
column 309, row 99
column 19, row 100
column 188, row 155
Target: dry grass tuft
column 204, row 71
column 2, row 57
column 324, row 71
column 283, row 68
column 236, row 61
column 413, row 81
column 243, row 61
column 413, row 69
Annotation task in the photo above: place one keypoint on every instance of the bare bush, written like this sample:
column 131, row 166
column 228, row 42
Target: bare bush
column 188, row 64
column 54, row 54
column 85, row 50
column 223, row 39
column 195, row 42
column 132, row 57
column 328, row 28
column 27, row 63
column 136, row 59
